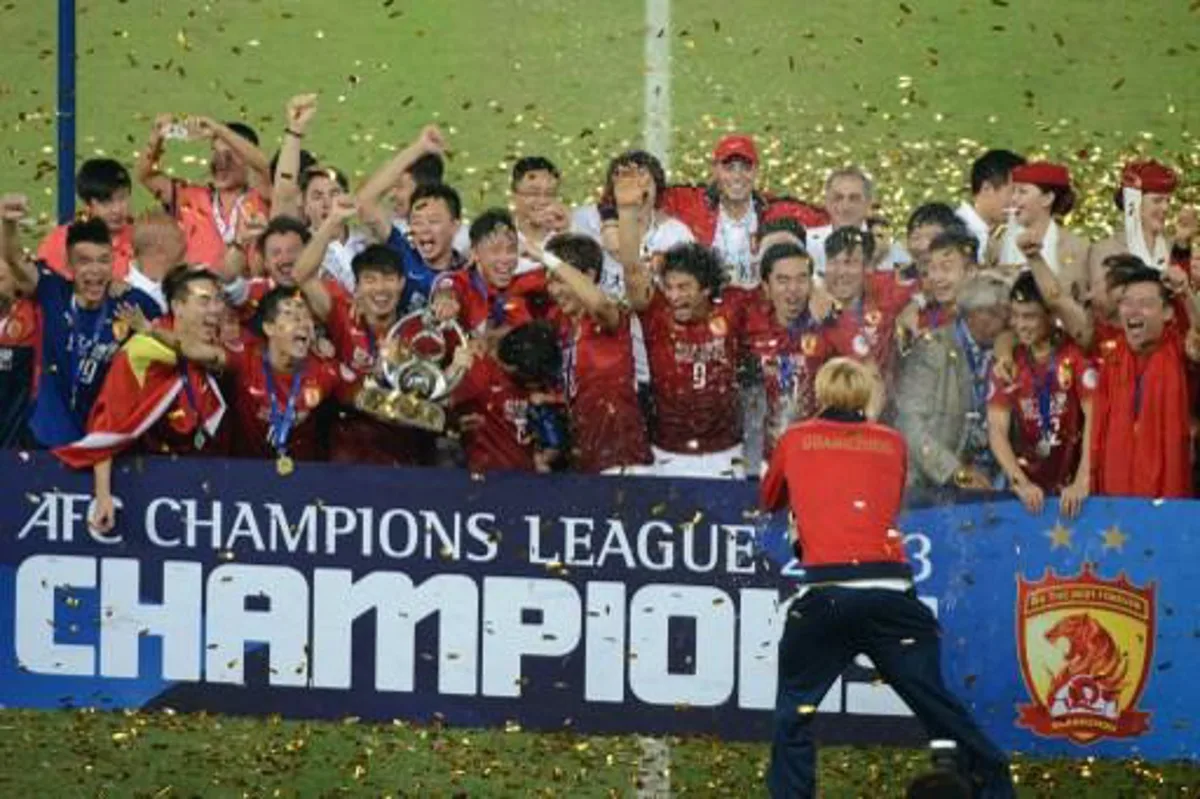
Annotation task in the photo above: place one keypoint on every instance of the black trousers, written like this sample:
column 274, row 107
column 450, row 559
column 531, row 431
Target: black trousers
column 825, row 629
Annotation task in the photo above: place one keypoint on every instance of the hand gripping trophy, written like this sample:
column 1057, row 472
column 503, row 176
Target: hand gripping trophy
column 420, row 363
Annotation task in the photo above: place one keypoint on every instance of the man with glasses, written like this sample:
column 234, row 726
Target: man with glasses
column 537, row 209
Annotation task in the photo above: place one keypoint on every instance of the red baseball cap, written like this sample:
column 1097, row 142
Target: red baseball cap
column 1042, row 173
column 736, row 145
column 1150, row 177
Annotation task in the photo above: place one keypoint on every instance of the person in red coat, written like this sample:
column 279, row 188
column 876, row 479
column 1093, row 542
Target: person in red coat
column 1141, row 436
column 843, row 478
column 727, row 213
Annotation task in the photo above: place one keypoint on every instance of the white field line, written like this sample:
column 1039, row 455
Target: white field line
column 654, row 769
column 656, row 126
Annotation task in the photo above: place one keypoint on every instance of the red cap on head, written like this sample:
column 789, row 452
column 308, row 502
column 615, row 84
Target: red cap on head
column 736, row 146
column 1042, row 173
column 1150, row 177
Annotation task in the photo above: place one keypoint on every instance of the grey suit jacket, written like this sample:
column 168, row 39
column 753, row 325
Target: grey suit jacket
column 933, row 398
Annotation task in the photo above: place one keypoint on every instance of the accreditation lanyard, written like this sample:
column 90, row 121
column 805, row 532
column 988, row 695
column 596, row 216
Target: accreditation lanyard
column 281, row 420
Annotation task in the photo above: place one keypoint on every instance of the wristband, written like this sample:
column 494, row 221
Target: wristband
column 551, row 261
column 290, row 132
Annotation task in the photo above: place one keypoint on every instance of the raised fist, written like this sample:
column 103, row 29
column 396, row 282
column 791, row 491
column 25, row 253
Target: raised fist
column 300, row 111
column 13, row 207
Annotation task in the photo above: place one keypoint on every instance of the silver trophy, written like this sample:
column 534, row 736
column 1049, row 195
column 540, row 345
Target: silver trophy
column 415, row 374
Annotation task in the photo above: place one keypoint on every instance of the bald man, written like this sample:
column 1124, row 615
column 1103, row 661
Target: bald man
column 158, row 245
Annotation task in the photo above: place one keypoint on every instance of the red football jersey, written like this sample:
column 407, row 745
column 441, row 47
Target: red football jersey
column 866, row 331
column 788, row 361
column 693, row 370
column 1048, row 447
column 483, row 306
column 356, row 437
column 607, row 428
column 320, row 381
column 502, row 440
column 20, row 363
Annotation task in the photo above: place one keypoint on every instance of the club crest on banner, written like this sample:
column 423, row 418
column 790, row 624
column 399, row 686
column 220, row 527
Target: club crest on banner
column 1085, row 646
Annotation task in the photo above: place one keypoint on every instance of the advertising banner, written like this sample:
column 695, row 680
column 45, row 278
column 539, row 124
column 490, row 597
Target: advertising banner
column 599, row 605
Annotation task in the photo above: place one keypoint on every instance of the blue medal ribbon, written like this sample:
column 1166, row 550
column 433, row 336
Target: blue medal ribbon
column 281, row 420
column 190, row 397
column 1044, row 386
column 496, row 312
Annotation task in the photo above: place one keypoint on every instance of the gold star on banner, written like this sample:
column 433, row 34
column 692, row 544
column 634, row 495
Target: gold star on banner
column 1114, row 538
column 1060, row 536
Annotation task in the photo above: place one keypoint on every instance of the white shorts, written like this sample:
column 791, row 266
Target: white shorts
column 729, row 464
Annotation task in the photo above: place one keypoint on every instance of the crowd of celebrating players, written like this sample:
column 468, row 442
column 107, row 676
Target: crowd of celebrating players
column 661, row 330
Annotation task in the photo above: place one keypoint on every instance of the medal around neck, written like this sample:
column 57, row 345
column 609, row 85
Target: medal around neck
column 413, row 379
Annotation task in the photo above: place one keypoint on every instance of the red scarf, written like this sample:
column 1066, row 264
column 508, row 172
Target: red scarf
column 1146, row 453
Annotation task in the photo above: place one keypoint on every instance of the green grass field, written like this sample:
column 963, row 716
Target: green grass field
column 81, row 753
column 911, row 89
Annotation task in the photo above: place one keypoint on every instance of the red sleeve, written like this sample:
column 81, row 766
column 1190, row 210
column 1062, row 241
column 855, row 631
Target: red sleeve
column 895, row 293
column 473, row 384
column 655, row 311
column 339, row 325
column 340, row 381
column 772, row 494
column 1087, row 371
column 237, row 358
column 53, row 251
column 1000, row 392
column 529, row 282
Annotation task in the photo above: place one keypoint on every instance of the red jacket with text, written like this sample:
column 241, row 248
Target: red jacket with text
column 843, row 479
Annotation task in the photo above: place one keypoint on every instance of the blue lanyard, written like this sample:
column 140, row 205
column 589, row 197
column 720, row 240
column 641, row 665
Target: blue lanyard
column 190, row 396
column 1044, row 387
column 77, row 352
column 281, row 419
column 372, row 345
column 570, row 352
column 977, row 362
column 495, row 307
column 787, row 360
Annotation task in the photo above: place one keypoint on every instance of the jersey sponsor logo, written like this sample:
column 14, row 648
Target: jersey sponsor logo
column 1085, row 646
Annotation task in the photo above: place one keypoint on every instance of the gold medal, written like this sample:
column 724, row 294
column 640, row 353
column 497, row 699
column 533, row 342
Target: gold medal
column 285, row 465
column 1064, row 376
column 808, row 344
column 873, row 317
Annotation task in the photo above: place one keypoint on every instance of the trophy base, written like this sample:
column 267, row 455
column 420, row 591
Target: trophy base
column 396, row 407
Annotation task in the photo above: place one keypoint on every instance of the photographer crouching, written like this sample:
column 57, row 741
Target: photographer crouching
column 843, row 478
